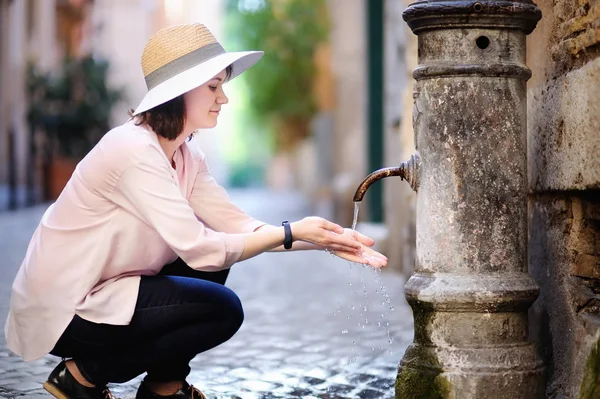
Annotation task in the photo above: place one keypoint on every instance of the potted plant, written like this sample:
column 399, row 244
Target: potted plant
column 72, row 109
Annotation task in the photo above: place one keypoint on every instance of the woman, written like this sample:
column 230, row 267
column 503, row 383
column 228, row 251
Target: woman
column 125, row 273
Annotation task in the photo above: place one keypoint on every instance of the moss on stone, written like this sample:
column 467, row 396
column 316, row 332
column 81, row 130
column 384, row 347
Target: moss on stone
column 412, row 383
column 590, row 388
column 421, row 382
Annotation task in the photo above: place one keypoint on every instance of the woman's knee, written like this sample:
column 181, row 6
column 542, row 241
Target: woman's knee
column 190, row 300
column 231, row 311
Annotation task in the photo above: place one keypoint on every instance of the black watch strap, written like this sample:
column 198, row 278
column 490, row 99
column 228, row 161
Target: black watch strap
column 287, row 241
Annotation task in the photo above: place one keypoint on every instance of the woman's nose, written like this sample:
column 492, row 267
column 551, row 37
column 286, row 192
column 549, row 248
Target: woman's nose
column 222, row 99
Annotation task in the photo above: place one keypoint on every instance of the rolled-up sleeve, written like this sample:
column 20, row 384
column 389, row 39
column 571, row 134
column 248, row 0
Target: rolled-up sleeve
column 148, row 190
column 212, row 205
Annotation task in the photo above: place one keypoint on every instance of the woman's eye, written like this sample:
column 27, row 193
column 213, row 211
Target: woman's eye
column 213, row 88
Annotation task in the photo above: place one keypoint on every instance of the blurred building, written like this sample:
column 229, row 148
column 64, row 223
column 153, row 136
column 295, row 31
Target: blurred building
column 43, row 32
column 331, row 163
column 27, row 31
column 364, row 123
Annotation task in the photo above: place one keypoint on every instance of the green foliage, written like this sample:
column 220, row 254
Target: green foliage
column 288, row 31
column 73, row 107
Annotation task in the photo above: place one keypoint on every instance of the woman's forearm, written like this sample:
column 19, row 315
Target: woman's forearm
column 261, row 240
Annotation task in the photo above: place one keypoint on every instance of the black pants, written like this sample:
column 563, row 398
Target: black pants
column 179, row 313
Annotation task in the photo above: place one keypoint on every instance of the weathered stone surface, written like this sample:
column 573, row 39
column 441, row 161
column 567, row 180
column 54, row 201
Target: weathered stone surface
column 566, row 38
column 565, row 321
column 564, row 132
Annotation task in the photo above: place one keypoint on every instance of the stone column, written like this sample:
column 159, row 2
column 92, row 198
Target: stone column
column 471, row 291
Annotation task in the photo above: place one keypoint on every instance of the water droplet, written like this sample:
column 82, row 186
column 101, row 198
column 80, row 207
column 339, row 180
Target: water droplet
column 372, row 349
column 353, row 342
column 344, row 331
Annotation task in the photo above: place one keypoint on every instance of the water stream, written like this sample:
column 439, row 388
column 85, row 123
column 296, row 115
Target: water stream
column 355, row 220
column 363, row 320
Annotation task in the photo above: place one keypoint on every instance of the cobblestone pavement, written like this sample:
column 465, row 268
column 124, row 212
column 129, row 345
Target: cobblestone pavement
column 315, row 326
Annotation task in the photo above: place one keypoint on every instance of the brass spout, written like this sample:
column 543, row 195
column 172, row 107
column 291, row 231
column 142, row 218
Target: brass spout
column 407, row 171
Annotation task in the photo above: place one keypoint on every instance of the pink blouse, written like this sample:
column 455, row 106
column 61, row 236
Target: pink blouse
column 124, row 213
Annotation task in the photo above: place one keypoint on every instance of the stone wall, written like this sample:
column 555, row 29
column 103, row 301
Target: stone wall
column 564, row 201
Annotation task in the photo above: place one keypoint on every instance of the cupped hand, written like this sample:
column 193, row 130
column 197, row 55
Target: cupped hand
column 326, row 234
column 367, row 255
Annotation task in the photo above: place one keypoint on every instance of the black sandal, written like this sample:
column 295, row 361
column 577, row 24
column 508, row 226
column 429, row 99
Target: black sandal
column 62, row 385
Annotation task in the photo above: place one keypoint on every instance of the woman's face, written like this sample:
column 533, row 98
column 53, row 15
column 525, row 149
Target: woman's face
column 203, row 104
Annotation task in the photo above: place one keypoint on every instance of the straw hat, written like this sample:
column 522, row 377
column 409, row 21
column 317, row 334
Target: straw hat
column 180, row 58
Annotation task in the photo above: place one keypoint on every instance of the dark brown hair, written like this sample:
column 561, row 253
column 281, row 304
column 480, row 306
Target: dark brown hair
column 167, row 119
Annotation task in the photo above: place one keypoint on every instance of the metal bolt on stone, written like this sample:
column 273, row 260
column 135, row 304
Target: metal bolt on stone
column 470, row 291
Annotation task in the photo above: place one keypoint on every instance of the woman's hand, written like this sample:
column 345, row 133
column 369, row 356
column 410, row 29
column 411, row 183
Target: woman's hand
column 327, row 234
column 367, row 256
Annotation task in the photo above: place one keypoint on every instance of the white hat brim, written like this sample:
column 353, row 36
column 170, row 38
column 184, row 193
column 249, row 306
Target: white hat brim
column 196, row 76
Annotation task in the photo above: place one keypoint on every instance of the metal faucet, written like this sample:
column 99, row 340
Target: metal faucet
column 408, row 171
